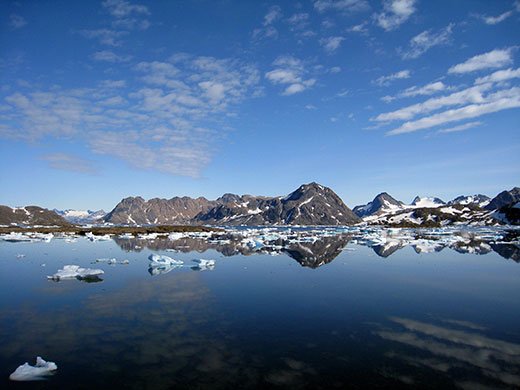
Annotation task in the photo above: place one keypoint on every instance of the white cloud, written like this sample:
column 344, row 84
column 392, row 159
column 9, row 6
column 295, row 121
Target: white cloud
column 386, row 80
column 494, row 59
column 69, row 162
column 16, row 21
column 426, row 40
column 123, row 8
column 428, row 89
column 499, row 101
column 395, row 13
column 158, row 124
column 299, row 21
column 105, row 36
column 275, row 13
column 341, row 5
column 331, row 44
column 496, row 19
column 359, row 28
column 499, row 75
column 469, row 95
column 310, row 107
column 109, row 56
column 335, row 69
column 291, row 71
column 460, row 128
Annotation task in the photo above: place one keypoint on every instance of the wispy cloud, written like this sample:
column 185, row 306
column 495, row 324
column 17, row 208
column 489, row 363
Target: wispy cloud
column 291, row 71
column 161, row 123
column 69, row 162
column 331, row 44
column 499, row 101
column 496, row 19
column 275, row 13
column 428, row 89
column 123, row 8
column 460, row 128
column 16, row 21
column 494, row 59
column 105, row 36
column 423, row 42
column 387, row 80
column 341, row 5
column 268, row 30
column 395, row 13
column 499, row 75
column 110, row 56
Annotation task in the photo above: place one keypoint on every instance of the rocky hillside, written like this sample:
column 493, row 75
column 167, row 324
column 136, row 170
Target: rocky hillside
column 174, row 211
column 504, row 198
column 30, row 215
column 310, row 204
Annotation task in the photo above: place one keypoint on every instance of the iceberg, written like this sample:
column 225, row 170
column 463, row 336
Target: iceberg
column 112, row 261
column 39, row 372
column 203, row 265
column 161, row 260
column 162, row 269
column 75, row 272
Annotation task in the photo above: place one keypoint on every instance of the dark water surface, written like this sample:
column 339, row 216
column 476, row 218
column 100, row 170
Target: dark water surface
column 347, row 319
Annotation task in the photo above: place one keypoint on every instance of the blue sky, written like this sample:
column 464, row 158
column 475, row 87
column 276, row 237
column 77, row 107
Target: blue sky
column 100, row 100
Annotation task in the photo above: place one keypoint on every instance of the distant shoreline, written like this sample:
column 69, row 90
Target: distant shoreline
column 101, row 230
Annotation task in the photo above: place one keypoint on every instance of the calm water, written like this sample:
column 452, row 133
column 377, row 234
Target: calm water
column 325, row 314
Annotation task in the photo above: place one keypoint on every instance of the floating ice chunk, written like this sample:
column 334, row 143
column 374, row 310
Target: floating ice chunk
column 108, row 261
column 161, row 260
column 20, row 256
column 75, row 272
column 26, row 372
column 92, row 237
column 203, row 262
column 203, row 265
column 126, row 235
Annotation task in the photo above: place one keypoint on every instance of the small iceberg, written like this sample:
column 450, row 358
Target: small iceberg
column 161, row 260
column 203, row 265
column 112, row 261
column 76, row 272
column 39, row 372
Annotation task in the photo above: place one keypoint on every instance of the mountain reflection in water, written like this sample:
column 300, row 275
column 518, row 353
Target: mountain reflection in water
column 316, row 250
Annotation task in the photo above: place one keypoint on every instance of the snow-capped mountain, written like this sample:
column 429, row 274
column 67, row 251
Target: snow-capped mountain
column 427, row 201
column 382, row 203
column 479, row 200
column 80, row 216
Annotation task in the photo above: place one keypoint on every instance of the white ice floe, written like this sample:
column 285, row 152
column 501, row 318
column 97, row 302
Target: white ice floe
column 161, row 260
column 75, row 272
column 40, row 371
column 203, row 265
column 92, row 237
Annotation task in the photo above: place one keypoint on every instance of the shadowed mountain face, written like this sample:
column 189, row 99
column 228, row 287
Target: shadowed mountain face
column 504, row 198
column 310, row 204
column 31, row 215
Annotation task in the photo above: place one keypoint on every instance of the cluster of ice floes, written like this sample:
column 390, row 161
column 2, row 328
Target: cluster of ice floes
column 39, row 372
column 26, row 237
column 161, row 264
column 76, row 272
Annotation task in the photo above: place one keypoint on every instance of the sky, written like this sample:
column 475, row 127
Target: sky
column 101, row 100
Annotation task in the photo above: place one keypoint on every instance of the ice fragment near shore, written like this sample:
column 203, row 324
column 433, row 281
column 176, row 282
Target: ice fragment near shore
column 75, row 272
column 161, row 260
column 26, row 372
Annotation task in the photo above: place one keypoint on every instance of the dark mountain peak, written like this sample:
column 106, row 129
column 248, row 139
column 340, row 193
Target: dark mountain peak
column 228, row 198
column 306, row 191
column 30, row 215
column 504, row 198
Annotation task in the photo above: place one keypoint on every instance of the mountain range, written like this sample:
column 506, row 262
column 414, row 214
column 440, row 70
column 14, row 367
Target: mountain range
column 310, row 204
